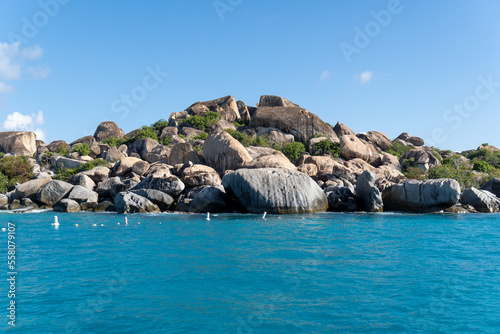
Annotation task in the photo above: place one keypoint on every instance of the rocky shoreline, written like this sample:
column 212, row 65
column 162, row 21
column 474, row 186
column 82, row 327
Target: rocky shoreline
column 225, row 156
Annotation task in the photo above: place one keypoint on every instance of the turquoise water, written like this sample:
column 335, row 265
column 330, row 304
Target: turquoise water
column 322, row 273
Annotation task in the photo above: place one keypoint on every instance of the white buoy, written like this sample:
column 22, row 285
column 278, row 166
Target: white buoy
column 126, row 221
column 102, row 224
column 264, row 215
column 56, row 222
column 94, row 224
column 208, row 215
column 138, row 223
column 117, row 223
column 76, row 225
column 4, row 229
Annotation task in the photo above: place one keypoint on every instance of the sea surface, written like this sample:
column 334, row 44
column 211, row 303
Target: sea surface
column 318, row 273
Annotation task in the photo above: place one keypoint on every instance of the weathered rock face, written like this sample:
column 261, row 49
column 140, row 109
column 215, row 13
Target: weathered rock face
column 30, row 189
column 368, row 193
column 243, row 110
column 67, row 205
column 308, row 169
column 169, row 131
column 179, row 153
column 112, row 155
column 271, row 161
column 53, row 192
column 121, row 185
column 124, row 166
column 56, row 145
column 222, row 152
column 200, row 175
column 341, row 199
column 108, row 129
column 352, row 147
column 81, row 194
column 275, row 101
column 416, row 141
column 18, row 143
column 424, row 158
column 191, row 132
column 210, row 199
column 142, row 147
column 63, row 162
column 493, row 186
column 89, row 140
column 97, row 174
column 376, row 138
column 275, row 135
column 275, row 191
column 481, row 200
column 226, row 107
column 159, row 198
column 170, row 185
column 422, row 196
column 323, row 164
column 343, row 130
column 295, row 120
column 128, row 202
column 258, row 151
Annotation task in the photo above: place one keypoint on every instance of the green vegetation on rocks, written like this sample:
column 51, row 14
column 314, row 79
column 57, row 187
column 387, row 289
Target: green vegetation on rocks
column 14, row 170
column 82, row 149
column 327, row 147
column 247, row 140
column 201, row 122
column 67, row 173
column 398, row 149
column 292, row 150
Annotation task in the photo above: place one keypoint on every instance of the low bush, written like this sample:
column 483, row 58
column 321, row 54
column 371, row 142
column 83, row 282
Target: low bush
column 201, row 122
column 146, row 132
column 159, row 124
column 247, row 140
column 167, row 140
column 14, row 170
column 62, row 151
column 292, row 150
column 66, row 173
column 201, row 136
column 327, row 147
column 82, row 149
column 482, row 166
column 415, row 173
column 398, row 149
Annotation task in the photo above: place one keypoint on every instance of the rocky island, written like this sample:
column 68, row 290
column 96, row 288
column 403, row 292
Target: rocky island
column 225, row 156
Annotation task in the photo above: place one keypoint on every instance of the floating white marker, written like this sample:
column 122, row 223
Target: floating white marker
column 56, row 222
column 159, row 223
column 94, row 224
column 126, row 221
column 264, row 215
column 138, row 223
column 102, row 224
column 76, row 225
column 4, row 229
column 117, row 223
column 208, row 215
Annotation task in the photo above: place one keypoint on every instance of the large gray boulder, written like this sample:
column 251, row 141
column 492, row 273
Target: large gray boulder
column 170, row 185
column 53, row 192
column 351, row 147
column 422, row 196
column 493, row 186
column 159, row 198
column 129, row 202
column 291, row 119
column 368, row 193
column 378, row 139
column 143, row 147
column 97, row 174
column 275, row 191
column 341, row 199
column 82, row 180
column 108, row 129
column 67, row 205
column 18, row 143
column 58, row 162
column 481, row 200
column 210, row 199
column 81, row 194
column 222, row 152
column 200, row 175
column 30, row 189
column 424, row 157
column 56, row 145
column 226, row 107
column 341, row 129
column 124, row 166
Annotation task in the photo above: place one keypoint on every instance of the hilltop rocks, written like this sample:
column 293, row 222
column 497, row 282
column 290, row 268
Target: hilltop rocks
column 57, row 145
column 481, row 200
column 53, row 192
column 226, row 107
column 275, row 101
column 343, row 130
column 107, row 130
column 222, row 152
column 424, row 158
column 275, row 191
column 128, row 202
column 376, row 138
column 290, row 119
column 368, row 193
column 18, row 143
column 422, row 196
column 352, row 147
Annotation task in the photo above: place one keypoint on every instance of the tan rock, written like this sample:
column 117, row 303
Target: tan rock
column 223, row 152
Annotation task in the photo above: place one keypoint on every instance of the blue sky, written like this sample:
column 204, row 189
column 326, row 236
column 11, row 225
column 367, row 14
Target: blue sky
column 431, row 69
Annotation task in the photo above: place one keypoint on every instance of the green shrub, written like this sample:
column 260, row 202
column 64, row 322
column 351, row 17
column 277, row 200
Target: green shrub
column 482, row 166
column 146, row 132
column 492, row 158
column 327, row 147
column 201, row 122
column 238, row 124
column 82, row 149
column 115, row 142
column 5, row 183
column 408, row 163
column 485, row 144
column 247, row 140
column 182, row 136
column 260, row 141
column 167, row 140
column 159, row 124
column 15, row 169
column 398, row 149
column 415, row 173
column 62, row 151
column 292, row 150
column 201, row 136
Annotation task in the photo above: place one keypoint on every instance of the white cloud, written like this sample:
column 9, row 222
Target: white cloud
column 366, row 76
column 20, row 122
column 39, row 72
column 33, row 52
column 325, row 76
column 6, row 89
column 9, row 68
